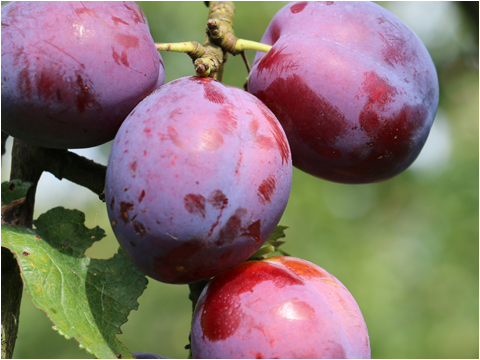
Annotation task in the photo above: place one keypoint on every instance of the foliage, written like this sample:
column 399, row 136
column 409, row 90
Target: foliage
column 86, row 299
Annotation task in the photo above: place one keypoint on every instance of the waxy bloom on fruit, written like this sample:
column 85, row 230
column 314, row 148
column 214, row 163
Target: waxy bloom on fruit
column 198, row 178
column 73, row 71
column 354, row 88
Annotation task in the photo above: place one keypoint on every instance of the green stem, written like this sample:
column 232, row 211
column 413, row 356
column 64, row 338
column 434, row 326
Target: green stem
column 262, row 252
column 242, row 45
column 192, row 48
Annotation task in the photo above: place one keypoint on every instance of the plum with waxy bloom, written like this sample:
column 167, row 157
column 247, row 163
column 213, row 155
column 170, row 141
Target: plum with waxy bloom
column 198, row 178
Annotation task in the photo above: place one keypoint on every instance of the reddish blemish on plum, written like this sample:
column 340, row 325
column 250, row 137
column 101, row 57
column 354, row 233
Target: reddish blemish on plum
column 124, row 58
column 133, row 169
column 224, row 293
column 128, row 41
column 394, row 51
column 213, row 93
column 232, row 227
column 278, row 135
column 266, row 189
column 297, row 113
column 254, row 231
column 24, row 83
column 137, row 18
column 112, row 202
column 262, row 140
column 195, row 204
column 85, row 96
column 181, row 262
column 218, row 199
column 45, row 85
column 390, row 143
column 276, row 61
column 389, row 136
column 228, row 119
column 174, row 113
column 117, row 21
column 139, row 228
column 298, row 7
column 254, row 126
column 124, row 209
column 120, row 59
column 301, row 268
column 378, row 91
column 142, row 195
column 85, row 11
column 215, row 329
column 266, row 143
column 173, row 135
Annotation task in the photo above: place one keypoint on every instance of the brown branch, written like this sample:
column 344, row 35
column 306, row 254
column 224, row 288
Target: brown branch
column 12, row 290
column 78, row 169
column 24, row 167
column 4, row 140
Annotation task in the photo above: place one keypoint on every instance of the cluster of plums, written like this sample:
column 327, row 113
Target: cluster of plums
column 200, row 172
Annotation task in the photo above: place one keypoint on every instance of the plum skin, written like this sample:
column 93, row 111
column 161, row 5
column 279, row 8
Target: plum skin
column 280, row 307
column 198, row 177
column 354, row 88
column 72, row 71
column 145, row 355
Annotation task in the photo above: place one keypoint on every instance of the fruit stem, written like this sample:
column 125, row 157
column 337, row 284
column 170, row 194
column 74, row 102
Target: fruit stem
column 242, row 45
column 262, row 252
column 192, row 48
column 209, row 58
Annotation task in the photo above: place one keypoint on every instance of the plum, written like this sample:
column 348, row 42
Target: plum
column 281, row 307
column 198, row 177
column 355, row 90
column 73, row 71
column 145, row 355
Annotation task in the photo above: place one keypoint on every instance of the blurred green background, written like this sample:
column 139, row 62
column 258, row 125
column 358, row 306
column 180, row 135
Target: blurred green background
column 407, row 249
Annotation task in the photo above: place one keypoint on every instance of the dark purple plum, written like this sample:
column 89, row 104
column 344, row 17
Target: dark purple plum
column 144, row 355
column 354, row 88
column 198, row 177
column 278, row 308
column 73, row 71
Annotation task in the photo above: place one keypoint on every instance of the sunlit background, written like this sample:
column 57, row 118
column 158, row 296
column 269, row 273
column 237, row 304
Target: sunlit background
column 407, row 249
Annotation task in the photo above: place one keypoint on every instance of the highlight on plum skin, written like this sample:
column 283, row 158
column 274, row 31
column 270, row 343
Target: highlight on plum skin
column 281, row 307
column 354, row 88
column 198, row 178
column 73, row 71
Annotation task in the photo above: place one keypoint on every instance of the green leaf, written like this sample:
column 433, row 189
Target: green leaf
column 278, row 233
column 14, row 190
column 272, row 244
column 87, row 299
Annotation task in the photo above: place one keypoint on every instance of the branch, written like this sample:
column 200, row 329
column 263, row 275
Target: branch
column 4, row 140
column 78, row 169
column 24, row 167
column 12, row 290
